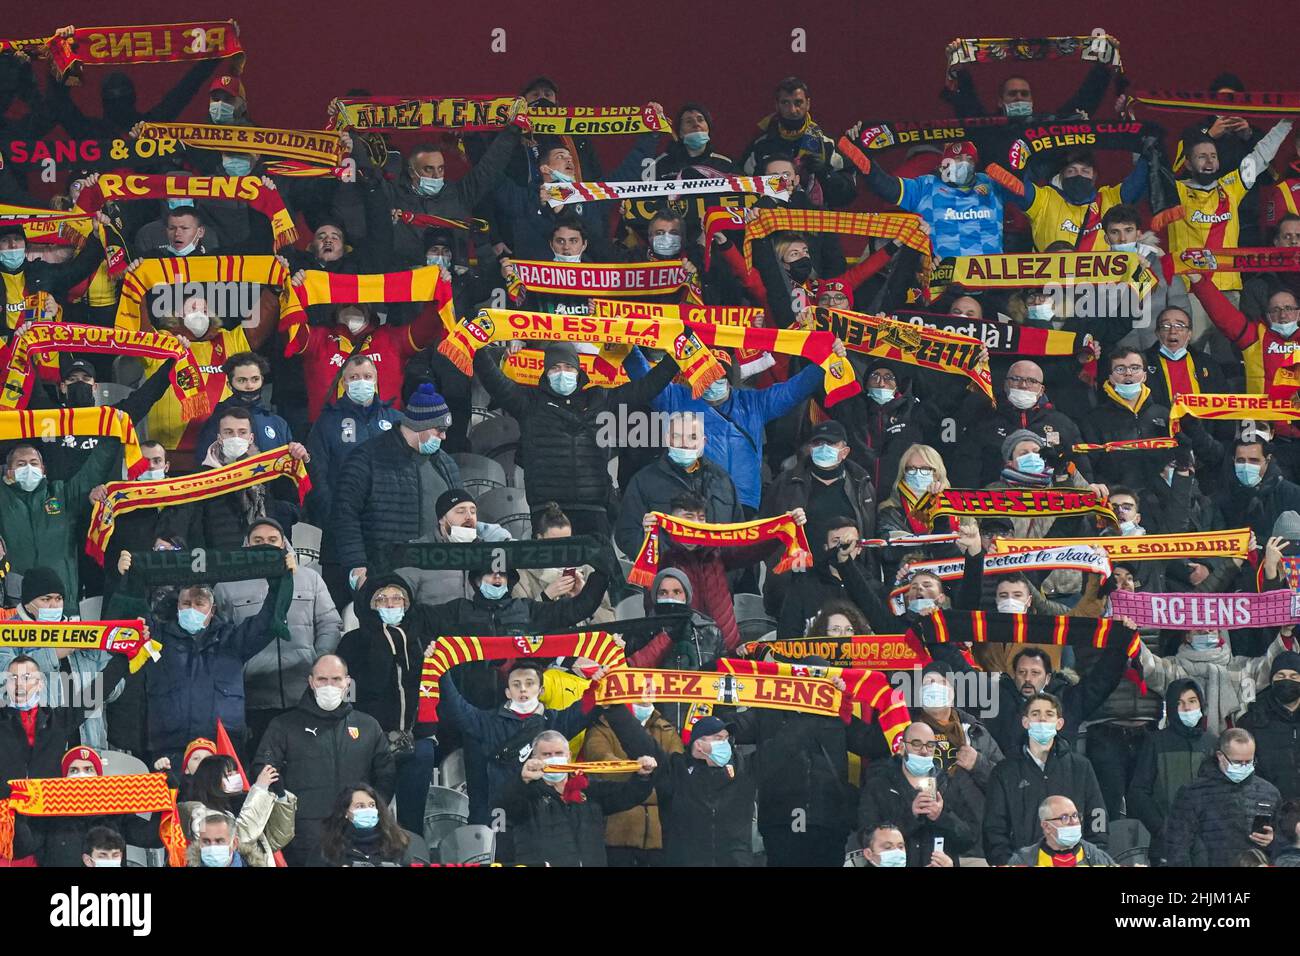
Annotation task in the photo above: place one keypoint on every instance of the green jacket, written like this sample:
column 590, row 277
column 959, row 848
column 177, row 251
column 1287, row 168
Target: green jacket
column 46, row 527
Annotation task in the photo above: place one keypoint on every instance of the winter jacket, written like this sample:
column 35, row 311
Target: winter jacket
column 438, row 587
column 1167, row 760
column 319, row 752
column 550, row 831
column 1230, row 682
column 1259, row 507
column 341, row 427
column 1277, row 741
column 264, row 823
column 734, row 430
column 966, row 788
column 1017, row 787
column 1112, row 420
column 655, row 486
column 879, row 434
column 1093, row 855
column 887, row 797
column 276, row 677
column 1210, row 820
column 269, row 429
column 381, row 498
column 979, row 454
column 639, row 827
column 59, row 841
column 710, row 590
column 56, row 732
column 698, row 646
column 809, row 591
column 222, row 522
column 358, row 852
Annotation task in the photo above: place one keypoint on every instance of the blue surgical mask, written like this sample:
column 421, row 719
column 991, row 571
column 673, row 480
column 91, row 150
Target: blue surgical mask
column 561, row 177
column 352, row 580
column 180, row 203
column 442, row 262
column 1168, row 476
column 825, row 456
column 361, row 390
column 881, row 396
column 1020, row 109
column 685, row 457
column 716, row 392
column 1069, row 836
column 430, row 446
column 1042, row 312
column 696, row 140
column 1284, row 329
column 893, row 858
column 28, row 476
column 642, row 712
column 1127, row 390
column 392, row 616
column 365, row 818
column 31, row 703
column 919, row 765
column 1175, row 355
column 919, row 481
column 217, row 855
column 1124, row 247
column 185, row 250
column 1031, row 463
column 557, row 776
column 563, row 383
column 920, row 605
column 666, row 244
column 1190, row 718
column 720, row 753
column 1247, row 473
column 429, row 186
column 221, row 112
column 1042, row 732
column 577, row 257
column 49, row 614
column 236, row 165
column 1204, row 642
column 1237, row 772
column 493, row 592
column 12, row 259
column 191, row 619
column 934, row 695
column 153, row 474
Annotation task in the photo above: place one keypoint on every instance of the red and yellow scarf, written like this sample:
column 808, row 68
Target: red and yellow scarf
column 317, row 148
column 618, row 279
column 117, row 637
column 1037, row 269
column 1232, row 407
column 153, row 43
column 807, row 695
column 904, row 227
column 1254, row 102
column 1016, row 503
column 780, row 528
column 176, row 271
column 981, row 627
column 1234, row 543
column 45, row 423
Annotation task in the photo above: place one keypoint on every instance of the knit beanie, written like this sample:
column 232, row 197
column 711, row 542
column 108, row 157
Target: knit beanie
column 82, row 753
column 426, row 409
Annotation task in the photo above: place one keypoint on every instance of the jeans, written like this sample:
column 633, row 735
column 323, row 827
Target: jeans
column 412, row 791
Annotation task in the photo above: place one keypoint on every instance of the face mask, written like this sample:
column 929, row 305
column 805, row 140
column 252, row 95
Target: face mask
column 919, row 481
column 234, row 448
column 179, row 203
column 1069, row 836
column 1238, row 772
column 560, row 176
column 328, row 697
column 1019, row 109
column 1042, row 732
column 429, row 186
column 361, row 390
column 352, row 580
column 191, row 619
column 642, row 712
column 32, row 702
column 574, row 258
column 249, row 398
column 1168, row 475
column 493, row 592
column 392, row 616
column 1127, row 390
column 236, row 165
column 1205, row 642
column 116, row 862
column 1175, row 355
column 1011, row 606
column 1123, row 247
column 153, row 474
column 218, row 855
column 355, row 323
column 442, row 262
column 1190, row 718
column 1021, row 399
column 919, row 765
column 685, row 457
column 1284, row 329
column 430, row 446
column 696, row 140
column 365, row 818
column 1287, row 691
column 221, row 112
column 197, row 323
column 462, row 535
column 825, row 456
column 232, row 784
column 13, row 259
column 1042, row 312
column 1031, row 464
column 717, row 391
column 1077, row 189
column 563, row 383
column 666, row 244
column 893, row 858
column 1247, row 473
column 1206, row 179
column 881, row 396
column 670, row 600
column 184, row 251
column 958, row 173
column 934, row 695
column 526, row 706
column 919, row 605
column 801, row 269
column 720, row 753
column 558, row 776
column 49, row 614
column 28, row 476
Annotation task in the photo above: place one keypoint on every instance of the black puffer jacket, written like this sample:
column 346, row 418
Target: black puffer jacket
column 1277, row 741
column 1113, row 421
column 979, row 462
column 57, row 729
column 655, row 486
column 1258, row 507
column 377, row 498
column 879, row 434
column 562, row 457
column 1209, row 823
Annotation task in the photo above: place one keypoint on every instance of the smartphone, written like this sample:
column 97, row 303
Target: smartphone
column 938, row 844
column 928, row 786
column 569, row 573
column 1263, row 817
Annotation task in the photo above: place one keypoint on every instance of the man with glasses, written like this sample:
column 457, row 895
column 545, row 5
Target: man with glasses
column 1174, row 370
column 1257, row 288
column 909, row 788
column 1062, row 843
column 1126, row 411
column 883, row 423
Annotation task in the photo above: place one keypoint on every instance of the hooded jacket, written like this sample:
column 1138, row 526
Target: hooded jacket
column 1277, row 736
column 698, row 650
column 1167, row 760
column 1210, row 820
column 708, row 587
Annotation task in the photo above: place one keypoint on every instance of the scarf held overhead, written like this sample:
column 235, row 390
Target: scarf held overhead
column 906, row 228
column 501, row 556
column 1039, row 139
column 880, row 651
column 568, row 194
column 1038, row 269
column 40, row 338
column 985, row 627
column 118, row 637
column 808, row 695
column 1000, row 338
column 127, row 496
column 1098, row 48
column 780, row 528
column 886, row 135
column 1145, row 547
column 1056, row 556
column 48, row 423
column 1015, row 503
column 146, row 43
column 1256, row 259
column 155, row 275
column 316, row 147
column 1232, row 407
column 1199, row 612
column 1255, row 102
column 662, row 277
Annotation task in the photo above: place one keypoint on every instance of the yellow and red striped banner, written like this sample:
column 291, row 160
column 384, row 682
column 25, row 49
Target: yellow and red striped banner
column 145, row 43
column 43, row 424
column 153, row 274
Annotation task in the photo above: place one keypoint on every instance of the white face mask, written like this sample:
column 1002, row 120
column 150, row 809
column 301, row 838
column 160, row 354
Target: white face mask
column 1021, row 398
column 233, row 448
column 462, row 535
column 197, row 323
column 328, row 697
column 1011, row 606
column 28, row 476
column 355, row 323
column 560, row 258
column 525, row 706
column 231, row 783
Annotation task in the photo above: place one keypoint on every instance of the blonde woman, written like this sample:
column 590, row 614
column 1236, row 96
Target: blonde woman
column 921, row 471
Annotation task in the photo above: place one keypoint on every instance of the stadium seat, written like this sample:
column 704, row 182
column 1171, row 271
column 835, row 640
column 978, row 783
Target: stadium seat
column 479, row 474
column 474, row 844
column 509, row 508
column 306, row 544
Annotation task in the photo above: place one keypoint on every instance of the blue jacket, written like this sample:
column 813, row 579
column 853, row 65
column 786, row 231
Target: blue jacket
column 269, row 429
column 733, row 431
column 341, row 427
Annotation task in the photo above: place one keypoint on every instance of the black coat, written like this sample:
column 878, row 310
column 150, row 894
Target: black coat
column 979, row 455
column 58, row 841
column 1277, row 742
column 550, row 832
column 1258, row 507
column 342, row 427
column 880, row 434
column 887, row 797
column 1018, row 786
column 655, row 486
column 1111, row 421
column 1209, row 823
column 808, row 591
column 57, row 730
column 560, row 442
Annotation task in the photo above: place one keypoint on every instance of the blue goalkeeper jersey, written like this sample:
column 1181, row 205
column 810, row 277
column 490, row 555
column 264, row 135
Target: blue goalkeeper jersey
column 963, row 222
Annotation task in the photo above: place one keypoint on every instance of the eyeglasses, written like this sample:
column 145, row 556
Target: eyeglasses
column 1125, row 507
column 1166, row 327
column 881, row 378
column 1016, row 380
column 1283, row 310
column 1133, row 369
column 921, row 746
column 927, row 472
column 1065, row 819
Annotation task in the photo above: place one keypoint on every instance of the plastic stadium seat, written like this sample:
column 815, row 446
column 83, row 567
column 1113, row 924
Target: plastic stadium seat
column 91, row 609
column 752, row 619
column 445, row 811
column 630, row 608
column 306, row 544
column 493, row 435
column 468, row 844
column 478, row 473
column 509, row 508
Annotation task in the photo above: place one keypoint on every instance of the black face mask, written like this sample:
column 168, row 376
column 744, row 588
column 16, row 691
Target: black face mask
column 80, row 395
column 801, row 269
column 543, row 101
column 1287, row 691
column 247, row 398
column 1077, row 189
column 790, row 124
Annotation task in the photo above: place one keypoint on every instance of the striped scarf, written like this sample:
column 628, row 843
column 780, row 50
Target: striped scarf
column 1253, row 102
column 115, row 636
column 986, row 627
column 318, row 148
column 145, row 43
column 1101, row 49
column 906, row 228
column 176, row 271
column 779, row 528
column 560, row 194
column 46, row 423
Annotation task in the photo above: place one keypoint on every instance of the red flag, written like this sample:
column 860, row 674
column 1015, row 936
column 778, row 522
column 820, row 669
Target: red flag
column 226, row 748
